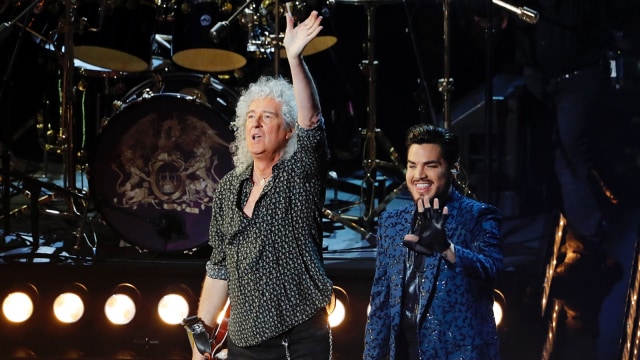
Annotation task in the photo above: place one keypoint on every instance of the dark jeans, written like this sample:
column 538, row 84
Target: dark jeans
column 309, row 340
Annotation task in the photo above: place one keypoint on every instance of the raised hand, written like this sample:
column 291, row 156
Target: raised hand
column 428, row 235
column 296, row 38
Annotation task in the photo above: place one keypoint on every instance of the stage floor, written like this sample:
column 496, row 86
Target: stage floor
column 67, row 237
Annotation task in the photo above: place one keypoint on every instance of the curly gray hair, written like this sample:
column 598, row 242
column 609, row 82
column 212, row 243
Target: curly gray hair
column 265, row 87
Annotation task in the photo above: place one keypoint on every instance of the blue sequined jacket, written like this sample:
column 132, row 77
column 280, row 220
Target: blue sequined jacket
column 457, row 322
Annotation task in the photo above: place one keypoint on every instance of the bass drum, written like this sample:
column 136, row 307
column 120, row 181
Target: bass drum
column 158, row 161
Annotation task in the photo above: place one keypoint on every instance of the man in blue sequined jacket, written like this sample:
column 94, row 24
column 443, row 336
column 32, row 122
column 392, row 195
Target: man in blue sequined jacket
column 437, row 262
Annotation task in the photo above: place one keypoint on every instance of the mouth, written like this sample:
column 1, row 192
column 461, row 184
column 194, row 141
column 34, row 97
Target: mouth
column 255, row 137
column 423, row 186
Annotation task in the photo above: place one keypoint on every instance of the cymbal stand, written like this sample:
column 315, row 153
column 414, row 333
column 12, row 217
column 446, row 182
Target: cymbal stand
column 372, row 133
column 66, row 129
column 445, row 85
column 6, row 141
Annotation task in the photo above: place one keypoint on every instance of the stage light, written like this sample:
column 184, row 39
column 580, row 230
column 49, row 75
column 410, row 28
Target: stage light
column 499, row 304
column 174, row 306
column 19, row 303
column 69, row 306
column 120, row 307
column 338, row 310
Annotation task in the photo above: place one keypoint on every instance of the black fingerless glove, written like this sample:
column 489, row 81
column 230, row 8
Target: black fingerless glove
column 428, row 226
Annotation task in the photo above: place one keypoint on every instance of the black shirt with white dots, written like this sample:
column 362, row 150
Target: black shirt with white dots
column 273, row 260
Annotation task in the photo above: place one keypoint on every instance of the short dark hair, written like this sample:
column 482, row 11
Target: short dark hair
column 430, row 134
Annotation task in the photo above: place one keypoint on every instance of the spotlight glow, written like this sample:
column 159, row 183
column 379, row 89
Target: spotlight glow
column 497, row 312
column 120, row 309
column 172, row 308
column 68, row 307
column 17, row 307
column 499, row 305
column 338, row 314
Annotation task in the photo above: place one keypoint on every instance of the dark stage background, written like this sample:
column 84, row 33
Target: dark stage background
column 505, row 158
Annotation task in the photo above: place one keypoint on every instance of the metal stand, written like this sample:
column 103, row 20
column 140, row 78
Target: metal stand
column 76, row 199
column 7, row 140
column 369, row 188
column 445, row 85
column 66, row 129
column 372, row 133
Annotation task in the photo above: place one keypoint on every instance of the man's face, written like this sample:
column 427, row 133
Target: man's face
column 265, row 130
column 428, row 173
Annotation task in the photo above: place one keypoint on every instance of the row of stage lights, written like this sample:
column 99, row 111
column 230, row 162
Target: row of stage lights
column 138, row 322
column 70, row 304
column 120, row 307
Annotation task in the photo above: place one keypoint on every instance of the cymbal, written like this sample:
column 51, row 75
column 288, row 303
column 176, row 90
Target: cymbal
column 209, row 60
column 320, row 43
column 114, row 60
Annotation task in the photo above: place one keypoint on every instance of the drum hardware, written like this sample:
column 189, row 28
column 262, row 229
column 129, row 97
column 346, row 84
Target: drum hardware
column 32, row 188
column 219, row 30
column 64, row 140
column 371, row 183
column 5, row 175
column 191, row 44
column 265, row 38
column 164, row 40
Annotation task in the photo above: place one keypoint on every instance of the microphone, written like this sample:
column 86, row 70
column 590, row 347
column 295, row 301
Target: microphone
column 524, row 13
column 528, row 15
column 219, row 30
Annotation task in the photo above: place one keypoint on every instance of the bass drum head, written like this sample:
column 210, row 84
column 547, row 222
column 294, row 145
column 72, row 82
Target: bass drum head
column 155, row 168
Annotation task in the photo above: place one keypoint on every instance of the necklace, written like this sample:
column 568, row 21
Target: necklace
column 263, row 181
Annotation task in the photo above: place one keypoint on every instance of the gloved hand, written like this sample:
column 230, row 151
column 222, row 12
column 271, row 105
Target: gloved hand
column 198, row 335
column 427, row 226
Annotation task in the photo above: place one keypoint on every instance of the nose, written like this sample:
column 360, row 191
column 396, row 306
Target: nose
column 420, row 173
column 255, row 121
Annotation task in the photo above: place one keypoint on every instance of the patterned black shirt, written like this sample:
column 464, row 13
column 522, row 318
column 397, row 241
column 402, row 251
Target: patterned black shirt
column 272, row 260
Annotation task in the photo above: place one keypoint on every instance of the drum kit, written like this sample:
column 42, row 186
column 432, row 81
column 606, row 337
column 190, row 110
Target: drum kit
column 162, row 127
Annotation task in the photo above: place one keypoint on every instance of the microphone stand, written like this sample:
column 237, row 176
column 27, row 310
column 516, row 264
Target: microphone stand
column 220, row 29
